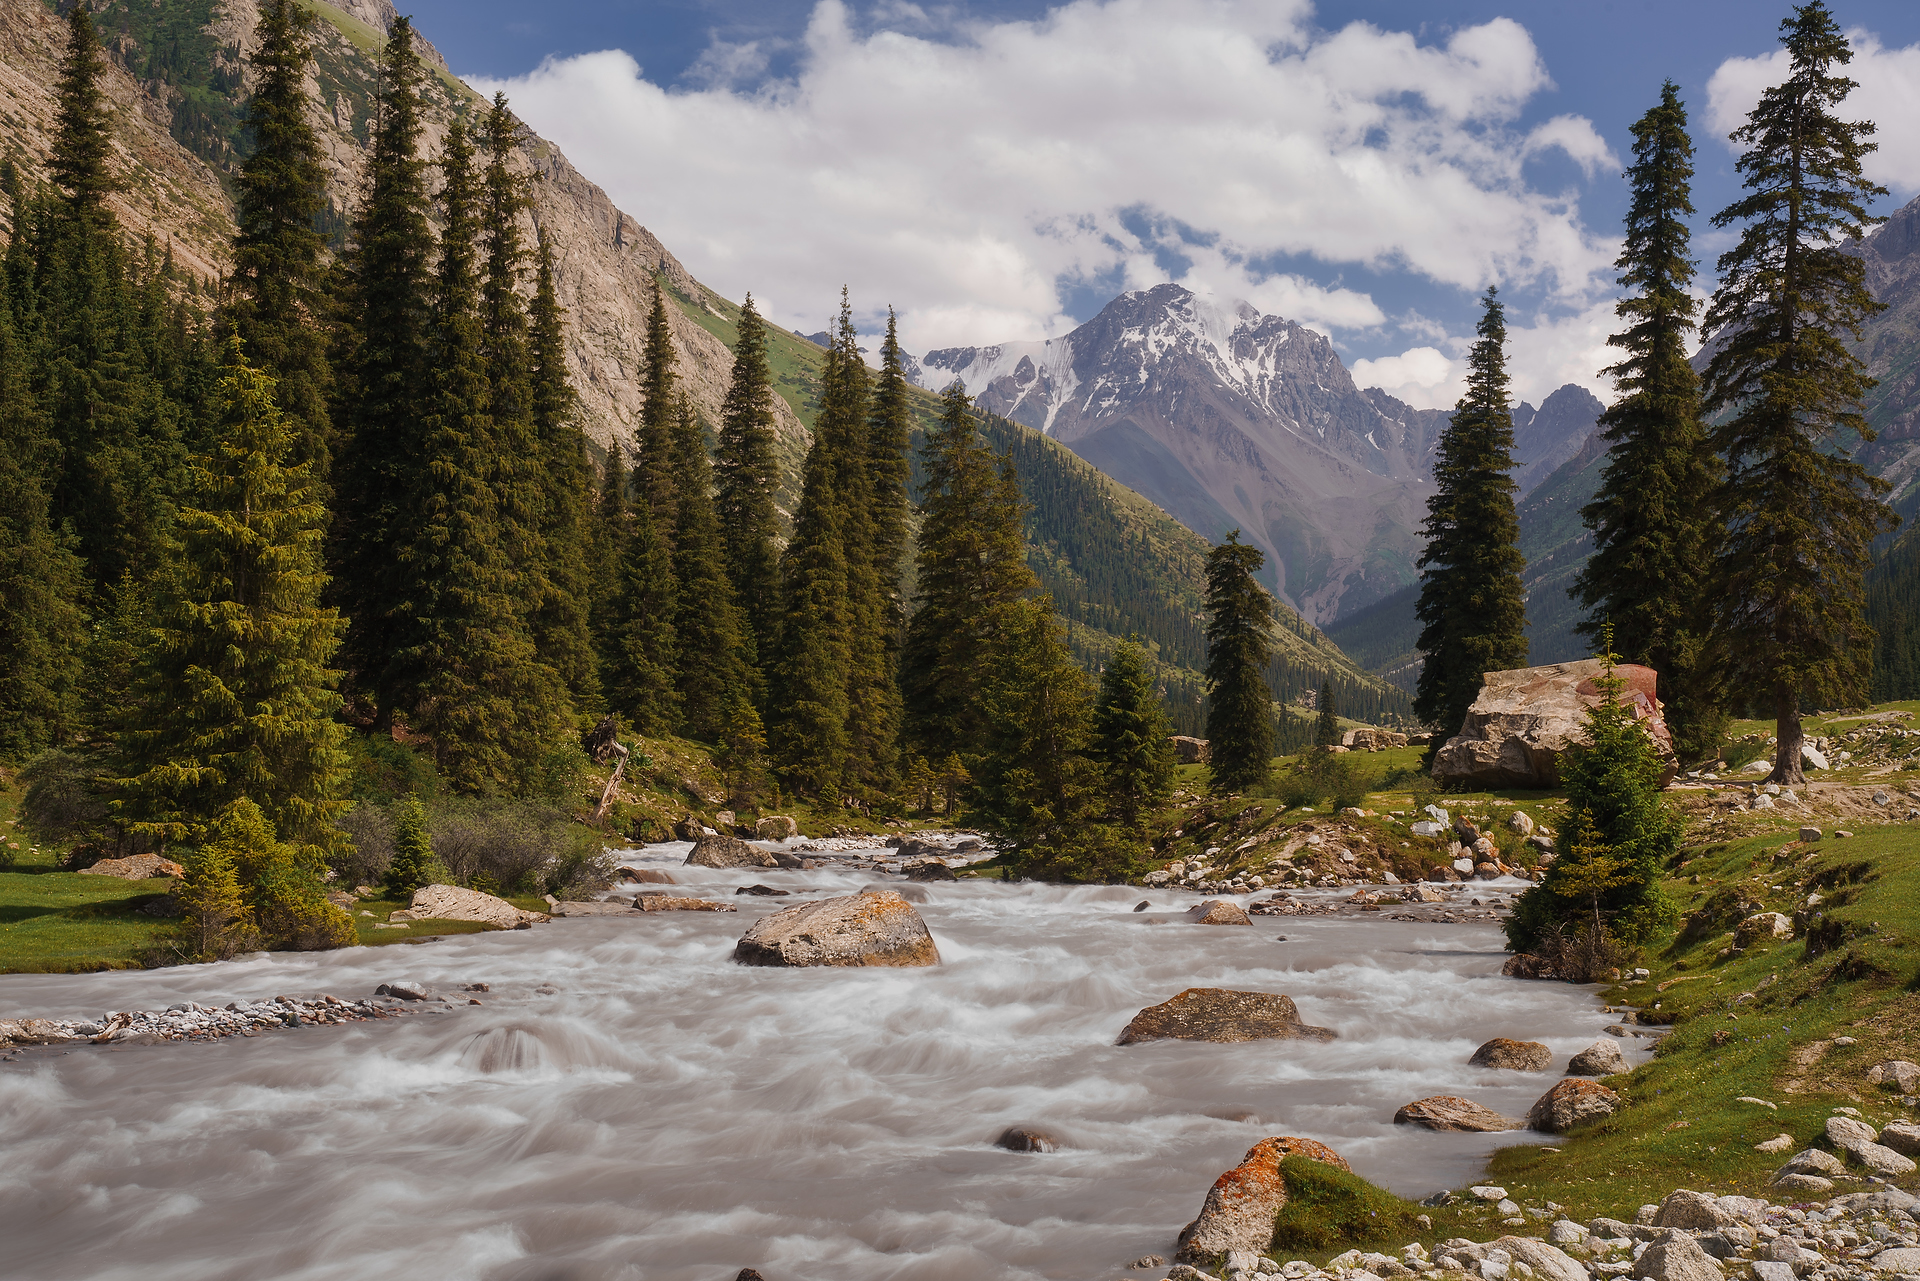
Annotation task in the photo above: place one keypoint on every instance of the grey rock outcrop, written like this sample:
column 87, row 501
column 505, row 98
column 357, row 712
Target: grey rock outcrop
column 1898, row 1075
column 1903, row 1137
column 1677, row 1258
column 1221, row 1015
column 873, row 927
column 1522, row 720
column 1191, row 751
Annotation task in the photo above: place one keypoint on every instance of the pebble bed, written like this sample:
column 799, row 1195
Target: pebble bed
column 1848, row 1238
column 190, row 1021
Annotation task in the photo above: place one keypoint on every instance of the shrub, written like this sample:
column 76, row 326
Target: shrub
column 63, row 802
column 515, row 846
column 560, row 775
column 1328, row 1209
column 284, row 888
column 370, row 829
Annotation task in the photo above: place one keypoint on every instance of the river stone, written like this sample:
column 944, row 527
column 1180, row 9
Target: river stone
column 1219, row 1015
column 647, row 876
column 1449, row 1112
column 453, row 903
column 727, row 851
column 1522, row 720
column 1677, row 1258
column 873, row 927
column 1518, row 1056
column 663, row 902
column 1896, row 1074
column 1218, row 911
column 931, row 870
column 1905, row 1259
column 1602, row 1058
column 1684, row 1208
column 1545, row 1260
column 776, row 827
column 1022, row 1139
column 138, row 867
column 1239, row 1209
column 33, row 1032
column 1573, row 1101
column 595, row 907
column 1903, row 1137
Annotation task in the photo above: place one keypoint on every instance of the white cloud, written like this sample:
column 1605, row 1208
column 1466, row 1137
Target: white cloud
column 1424, row 377
column 969, row 180
column 1889, row 94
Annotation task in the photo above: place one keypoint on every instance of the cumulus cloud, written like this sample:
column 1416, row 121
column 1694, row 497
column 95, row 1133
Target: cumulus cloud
column 1889, row 93
column 976, row 176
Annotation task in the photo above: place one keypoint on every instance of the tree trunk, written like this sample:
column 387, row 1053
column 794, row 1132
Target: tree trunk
column 1786, row 757
column 613, row 781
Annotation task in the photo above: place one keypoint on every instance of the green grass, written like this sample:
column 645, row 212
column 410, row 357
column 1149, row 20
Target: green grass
column 54, row 922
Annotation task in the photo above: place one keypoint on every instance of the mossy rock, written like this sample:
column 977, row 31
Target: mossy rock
column 1329, row 1209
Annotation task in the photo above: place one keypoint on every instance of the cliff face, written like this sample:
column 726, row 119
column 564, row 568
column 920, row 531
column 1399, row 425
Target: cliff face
column 606, row 260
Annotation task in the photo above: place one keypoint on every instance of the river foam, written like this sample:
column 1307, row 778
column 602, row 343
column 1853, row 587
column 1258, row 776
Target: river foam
column 629, row 1103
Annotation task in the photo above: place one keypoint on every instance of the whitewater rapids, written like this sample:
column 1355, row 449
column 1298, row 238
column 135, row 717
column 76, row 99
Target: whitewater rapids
column 628, row 1103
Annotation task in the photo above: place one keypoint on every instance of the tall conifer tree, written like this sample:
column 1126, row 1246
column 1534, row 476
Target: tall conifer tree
column 642, row 651
column 380, row 391
column 1800, row 513
column 1472, row 601
column 1239, row 646
column 473, row 679
column 712, row 670
column 83, row 142
column 888, row 432
column 235, row 694
column 653, row 439
column 561, row 627
column 1652, row 520
column 748, row 476
column 612, row 523
column 972, row 565
column 273, row 297
column 1132, row 737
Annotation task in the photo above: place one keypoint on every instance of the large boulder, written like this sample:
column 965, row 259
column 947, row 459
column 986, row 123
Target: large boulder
column 1903, row 1137
column 1523, row 719
column 1602, row 1058
column 1372, row 740
column 873, row 927
column 776, row 827
column 1677, row 1257
column 728, row 851
column 1574, row 1100
column 1191, row 751
column 647, row 876
column 452, row 903
column 1449, row 1112
column 1220, row 1015
column 1898, row 1075
column 1546, row 1261
column 138, row 867
column 1239, row 1209
column 1516, row 1056
column 1685, row 1208
column 1218, row 911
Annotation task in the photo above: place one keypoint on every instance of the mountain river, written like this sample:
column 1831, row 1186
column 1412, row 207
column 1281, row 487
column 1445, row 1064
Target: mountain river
column 628, row 1103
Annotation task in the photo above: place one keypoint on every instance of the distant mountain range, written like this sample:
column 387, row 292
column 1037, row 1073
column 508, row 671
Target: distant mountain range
column 1232, row 419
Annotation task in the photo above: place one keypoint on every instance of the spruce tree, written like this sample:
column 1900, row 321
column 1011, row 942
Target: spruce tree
column 712, row 671
column 234, row 697
column 612, row 522
column 1653, row 526
column 215, row 921
column 1472, row 601
column 414, row 862
column 42, row 626
column 1239, row 646
column 888, row 432
column 1800, row 512
column 1037, row 785
column 274, row 293
column 748, row 476
column 561, row 622
column 821, row 579
column 286, row 893
column 972, row 563
column 1132, row 738
column 83, row 143
column 653, row 439
column 642, row 650
column 473, row 680
column 380, row 392
column 1326, row 725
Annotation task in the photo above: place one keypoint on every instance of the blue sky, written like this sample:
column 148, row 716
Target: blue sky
column 998, row 170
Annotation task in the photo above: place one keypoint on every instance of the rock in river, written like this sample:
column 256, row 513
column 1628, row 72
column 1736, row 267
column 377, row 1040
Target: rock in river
column 1517, row 1056
column 873, row 927
column 1574, row 1100
column 1216, row 1014
column 452, row 903
column 1023, row 1139
column 1449, row 1112
column 1239, row 1209
column 1602, row 1058
column 727, row 851
column 1218, row 911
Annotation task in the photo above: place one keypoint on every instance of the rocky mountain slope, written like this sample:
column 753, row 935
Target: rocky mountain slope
column 1229, row 418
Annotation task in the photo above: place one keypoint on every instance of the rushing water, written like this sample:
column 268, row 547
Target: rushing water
column 629, row 1103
